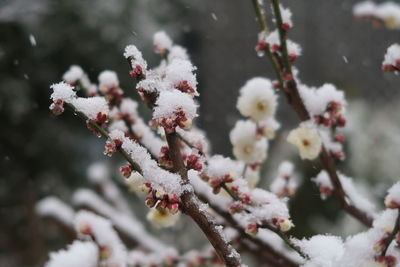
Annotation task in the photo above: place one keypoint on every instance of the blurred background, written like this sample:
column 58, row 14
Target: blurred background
column 44, row 155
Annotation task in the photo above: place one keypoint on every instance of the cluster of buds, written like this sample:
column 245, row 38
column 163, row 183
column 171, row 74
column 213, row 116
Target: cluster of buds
column 261, row 47
column 100, row 120
column 169, row 124
column 161, row 200
column 137, row 73
column 236, row 207
column 147, row 97
column 217, row 182
column 126, row 170
column 57, row 107
column 164, row 158
column 386, row 261
column 112, row 146
column 185, row 87
column 333, row 116
column 193, row 162
column 112, row 94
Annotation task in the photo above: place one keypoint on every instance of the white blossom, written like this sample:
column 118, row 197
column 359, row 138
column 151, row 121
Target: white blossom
column 162, row 219
column 257, row 99
column 306, row 138
column 247, row 146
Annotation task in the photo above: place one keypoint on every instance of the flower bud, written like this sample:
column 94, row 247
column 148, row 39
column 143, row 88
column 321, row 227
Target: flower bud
column 126, row 170
column 173, row 208
column 284, row 225
column 146, row 188
column 150, row 202
column 252, row 229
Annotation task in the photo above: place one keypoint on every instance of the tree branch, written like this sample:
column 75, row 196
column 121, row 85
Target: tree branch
column 190, row 205
column 294, row 99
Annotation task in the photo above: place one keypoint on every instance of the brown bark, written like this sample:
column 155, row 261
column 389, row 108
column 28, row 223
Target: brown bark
column 190, row 206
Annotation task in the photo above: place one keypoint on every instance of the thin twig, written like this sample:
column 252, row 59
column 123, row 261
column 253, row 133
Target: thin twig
column 104, row 133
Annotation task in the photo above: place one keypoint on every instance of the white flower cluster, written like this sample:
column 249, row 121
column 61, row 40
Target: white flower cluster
column 248, row 146
column 387, row 13
column 391, row 62
column 249, row 138
column 286, row 183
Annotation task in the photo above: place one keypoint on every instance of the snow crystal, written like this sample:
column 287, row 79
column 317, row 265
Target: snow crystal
column 392, row 199
column 365, row 8
column 118, row 125
column 54, row 207
column 316, row 100
column 104, row 235
column 169, row 182
column 73, row 74
column 91, row 106
column 323, row 250
column 269, row 205
column 286, row 16
column 162, row 42
column 62, row 91
column 132, row 53
column 177, row 52
column 170, row 102
column 392, row 55
column 219, row 166
column 108, row 79
column 180, row 70
column 128, row 224
column 32, row 40
column 77, row 254
column 97, row 172
column 147, row 137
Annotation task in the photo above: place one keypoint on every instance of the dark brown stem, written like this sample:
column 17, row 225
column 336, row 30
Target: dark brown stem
column 190, row 206
column 392, row 235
